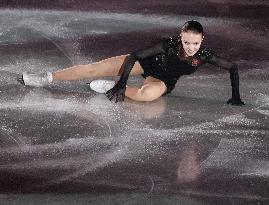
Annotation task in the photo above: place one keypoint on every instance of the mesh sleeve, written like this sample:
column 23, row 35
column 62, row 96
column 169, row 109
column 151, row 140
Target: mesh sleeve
column 231, row 67
column 134, row 56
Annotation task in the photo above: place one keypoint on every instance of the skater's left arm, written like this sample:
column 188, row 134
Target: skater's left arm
column 117, row 93
column 234, row 76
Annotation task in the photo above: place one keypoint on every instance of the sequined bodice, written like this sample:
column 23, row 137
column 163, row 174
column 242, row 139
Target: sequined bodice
column 170, row 64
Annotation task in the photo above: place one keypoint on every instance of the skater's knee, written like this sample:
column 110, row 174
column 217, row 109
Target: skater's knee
column 149, row 94
column 151, row 91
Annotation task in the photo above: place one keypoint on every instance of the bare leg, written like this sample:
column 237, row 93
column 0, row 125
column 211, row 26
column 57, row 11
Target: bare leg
column 105, row 68
column 151, row 90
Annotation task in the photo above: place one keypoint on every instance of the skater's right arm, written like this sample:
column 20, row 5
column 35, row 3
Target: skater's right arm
column 117, row 92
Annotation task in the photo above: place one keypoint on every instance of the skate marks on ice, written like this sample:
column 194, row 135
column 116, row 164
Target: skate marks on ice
column 80, row 134
column 76, row 136
column 64, row 134
column 242, row 137
column 34, row 51
column 95, row 134
column 111, row 133
column 70, row 24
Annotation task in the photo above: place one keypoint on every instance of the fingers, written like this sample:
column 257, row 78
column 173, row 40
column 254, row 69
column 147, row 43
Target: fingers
column 20, row 80
column 230, row 101
column 109, row 95
column 235, row 102
column 118, row 96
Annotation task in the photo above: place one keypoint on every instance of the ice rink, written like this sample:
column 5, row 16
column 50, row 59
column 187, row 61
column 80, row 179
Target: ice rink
column 65, row 144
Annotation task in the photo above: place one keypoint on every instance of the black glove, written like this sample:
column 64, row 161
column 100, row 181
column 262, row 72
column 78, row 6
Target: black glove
column 234, row 76
column 20, row 80
column 117, row 93
column 235, row 101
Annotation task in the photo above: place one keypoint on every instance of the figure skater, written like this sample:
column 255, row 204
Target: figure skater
column 161, row 65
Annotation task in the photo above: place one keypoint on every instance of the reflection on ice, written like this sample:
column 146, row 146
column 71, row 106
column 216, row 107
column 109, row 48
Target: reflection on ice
column 66, row 134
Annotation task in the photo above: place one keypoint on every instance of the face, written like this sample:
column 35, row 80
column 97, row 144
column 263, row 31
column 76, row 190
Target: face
column 191, row 42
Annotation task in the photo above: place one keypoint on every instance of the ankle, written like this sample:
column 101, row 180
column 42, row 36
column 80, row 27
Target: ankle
column 50, row 77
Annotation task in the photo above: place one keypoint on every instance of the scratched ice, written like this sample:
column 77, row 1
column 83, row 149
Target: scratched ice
column 86, row 139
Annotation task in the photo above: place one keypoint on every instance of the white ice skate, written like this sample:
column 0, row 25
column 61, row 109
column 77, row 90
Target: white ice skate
column 37, row 80
column 102, row 86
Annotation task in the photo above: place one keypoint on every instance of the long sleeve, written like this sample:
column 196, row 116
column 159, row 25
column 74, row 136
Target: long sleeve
column 134, row 56
column 118, row 90
column 234, row 76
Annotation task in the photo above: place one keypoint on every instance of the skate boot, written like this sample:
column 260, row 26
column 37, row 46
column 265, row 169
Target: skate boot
column 101, row 86
column 36, row 80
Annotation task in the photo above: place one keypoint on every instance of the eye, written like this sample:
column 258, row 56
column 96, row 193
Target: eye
column 196, row 44
column 187, row 43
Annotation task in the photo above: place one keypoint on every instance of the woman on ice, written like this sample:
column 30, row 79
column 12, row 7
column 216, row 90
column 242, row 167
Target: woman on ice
column 161, row 65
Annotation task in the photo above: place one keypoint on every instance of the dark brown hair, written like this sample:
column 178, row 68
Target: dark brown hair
column 193, row 26
column 189, row 26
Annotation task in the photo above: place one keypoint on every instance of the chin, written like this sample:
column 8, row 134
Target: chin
column 192, row 54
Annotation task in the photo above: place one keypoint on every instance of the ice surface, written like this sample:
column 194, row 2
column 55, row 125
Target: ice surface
column 68, row 24
column 65, row 135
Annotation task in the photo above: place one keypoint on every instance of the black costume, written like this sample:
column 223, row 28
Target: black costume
column 162, row 62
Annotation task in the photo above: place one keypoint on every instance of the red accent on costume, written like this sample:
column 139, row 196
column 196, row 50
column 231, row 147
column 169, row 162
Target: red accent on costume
column 195, row 62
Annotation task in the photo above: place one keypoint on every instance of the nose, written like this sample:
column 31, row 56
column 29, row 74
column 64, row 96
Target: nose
column 191, row 48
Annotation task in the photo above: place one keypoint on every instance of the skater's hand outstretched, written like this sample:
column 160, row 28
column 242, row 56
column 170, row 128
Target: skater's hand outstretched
column 235, row 101
column 117, row 93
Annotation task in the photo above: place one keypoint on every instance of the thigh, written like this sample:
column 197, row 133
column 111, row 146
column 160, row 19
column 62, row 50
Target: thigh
column 112, row 66
column 150, row 79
